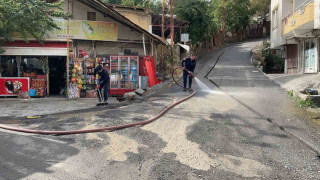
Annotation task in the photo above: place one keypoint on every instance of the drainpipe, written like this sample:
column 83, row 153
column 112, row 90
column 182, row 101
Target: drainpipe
column 67, row 61
column 144, row 45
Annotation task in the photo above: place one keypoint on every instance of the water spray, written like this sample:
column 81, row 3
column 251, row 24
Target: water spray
column 24, row 130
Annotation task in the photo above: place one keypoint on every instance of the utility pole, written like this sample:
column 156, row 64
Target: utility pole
column 171, row 31
column 162, row 35
column 67, row 62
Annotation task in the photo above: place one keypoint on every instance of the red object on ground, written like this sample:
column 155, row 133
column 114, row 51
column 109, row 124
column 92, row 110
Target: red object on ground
column 11, row 86
column 151, row 71
column 120, row 92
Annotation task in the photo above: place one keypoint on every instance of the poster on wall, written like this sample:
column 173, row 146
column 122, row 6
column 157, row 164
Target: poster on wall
column 81, row 29
column 12, row 86
column 86, row 30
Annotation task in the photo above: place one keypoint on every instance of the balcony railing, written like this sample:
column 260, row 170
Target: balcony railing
column 302, row 6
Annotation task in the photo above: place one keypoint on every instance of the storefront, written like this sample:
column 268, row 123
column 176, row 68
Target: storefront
column 42, row 64
column 110, row 40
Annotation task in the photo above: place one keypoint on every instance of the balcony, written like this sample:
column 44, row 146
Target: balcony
column 301, row 21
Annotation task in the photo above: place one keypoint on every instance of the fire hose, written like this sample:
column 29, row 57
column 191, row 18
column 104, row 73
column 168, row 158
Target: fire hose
column 24, row 130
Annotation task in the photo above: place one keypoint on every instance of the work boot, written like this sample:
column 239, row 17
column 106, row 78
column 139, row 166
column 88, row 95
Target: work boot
column 190, row 90
column 184, row 89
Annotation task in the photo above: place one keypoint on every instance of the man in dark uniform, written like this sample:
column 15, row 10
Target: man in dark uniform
column 104, row 80
column 189, row 64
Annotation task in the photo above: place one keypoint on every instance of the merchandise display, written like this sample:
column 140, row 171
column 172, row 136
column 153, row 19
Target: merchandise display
column 124, row 74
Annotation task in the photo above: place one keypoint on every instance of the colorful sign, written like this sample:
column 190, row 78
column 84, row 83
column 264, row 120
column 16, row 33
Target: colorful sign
column 86, row 30
column 12, row 86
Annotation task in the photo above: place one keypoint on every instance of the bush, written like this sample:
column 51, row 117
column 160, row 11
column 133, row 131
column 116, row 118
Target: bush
column 272, row 62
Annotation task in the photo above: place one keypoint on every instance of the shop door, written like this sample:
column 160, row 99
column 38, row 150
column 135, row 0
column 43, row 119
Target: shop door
column 124, row 68
column 57, row 74
column 292, row 58
column 134, row 72
column 114, row 72
column 310, row 57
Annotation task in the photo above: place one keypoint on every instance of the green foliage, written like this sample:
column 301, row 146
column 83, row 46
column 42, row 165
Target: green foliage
column 273, row 63
column 262, row 7
column 30, row 18
column 238, row 13
column 290, row 93
column 198, row 13
column 305, row 103
column 154, row 5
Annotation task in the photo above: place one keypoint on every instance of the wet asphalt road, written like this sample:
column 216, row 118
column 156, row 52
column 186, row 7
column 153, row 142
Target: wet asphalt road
column 244, row 127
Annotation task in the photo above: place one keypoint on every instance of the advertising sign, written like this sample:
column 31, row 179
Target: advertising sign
column 86, row 30
column 11, row 86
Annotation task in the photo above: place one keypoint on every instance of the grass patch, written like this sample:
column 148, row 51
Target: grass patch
column 305, row 103
column 290, row 93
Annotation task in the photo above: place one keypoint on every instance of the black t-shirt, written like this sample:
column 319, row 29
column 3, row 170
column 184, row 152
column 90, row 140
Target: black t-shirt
column 189, row 64
column 104, row 74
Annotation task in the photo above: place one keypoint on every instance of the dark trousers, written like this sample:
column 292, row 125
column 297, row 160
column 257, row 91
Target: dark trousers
column 105, row 86
column 185, row 77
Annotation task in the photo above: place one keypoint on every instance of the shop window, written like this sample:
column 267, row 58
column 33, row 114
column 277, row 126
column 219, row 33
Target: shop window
column 91, row 16
column 8, row 66
column 31, row 64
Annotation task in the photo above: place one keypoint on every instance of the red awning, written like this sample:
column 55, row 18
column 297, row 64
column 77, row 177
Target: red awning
column 35, row 44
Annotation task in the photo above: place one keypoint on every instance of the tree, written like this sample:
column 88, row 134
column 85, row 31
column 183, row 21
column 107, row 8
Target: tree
column 238, row 13
column 154, row 5
column 262, row 7
column 30, row 18
column 198, row 13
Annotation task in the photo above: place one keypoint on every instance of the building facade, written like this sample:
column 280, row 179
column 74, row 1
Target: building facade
column 295, row 33
column 96, row 30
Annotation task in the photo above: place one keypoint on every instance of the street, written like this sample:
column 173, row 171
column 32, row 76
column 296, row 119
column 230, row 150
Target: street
column 243, row 127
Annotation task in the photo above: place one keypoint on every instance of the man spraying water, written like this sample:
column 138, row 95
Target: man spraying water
column 188, row 64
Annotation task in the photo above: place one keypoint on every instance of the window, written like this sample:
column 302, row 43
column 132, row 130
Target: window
column 8, row 66
column 275, row 19
column 91, row 16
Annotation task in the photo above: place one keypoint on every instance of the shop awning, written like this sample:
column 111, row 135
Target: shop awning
column 34, row 51
column 33, row 48
column 186, row 47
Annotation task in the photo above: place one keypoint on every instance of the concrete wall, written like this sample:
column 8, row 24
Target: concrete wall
column 275, row 33
column 143, row 19
column 317, row 14
column 298, row 19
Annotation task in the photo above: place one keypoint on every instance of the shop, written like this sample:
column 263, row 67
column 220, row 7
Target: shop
column 108, row 38
column 31, row 61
